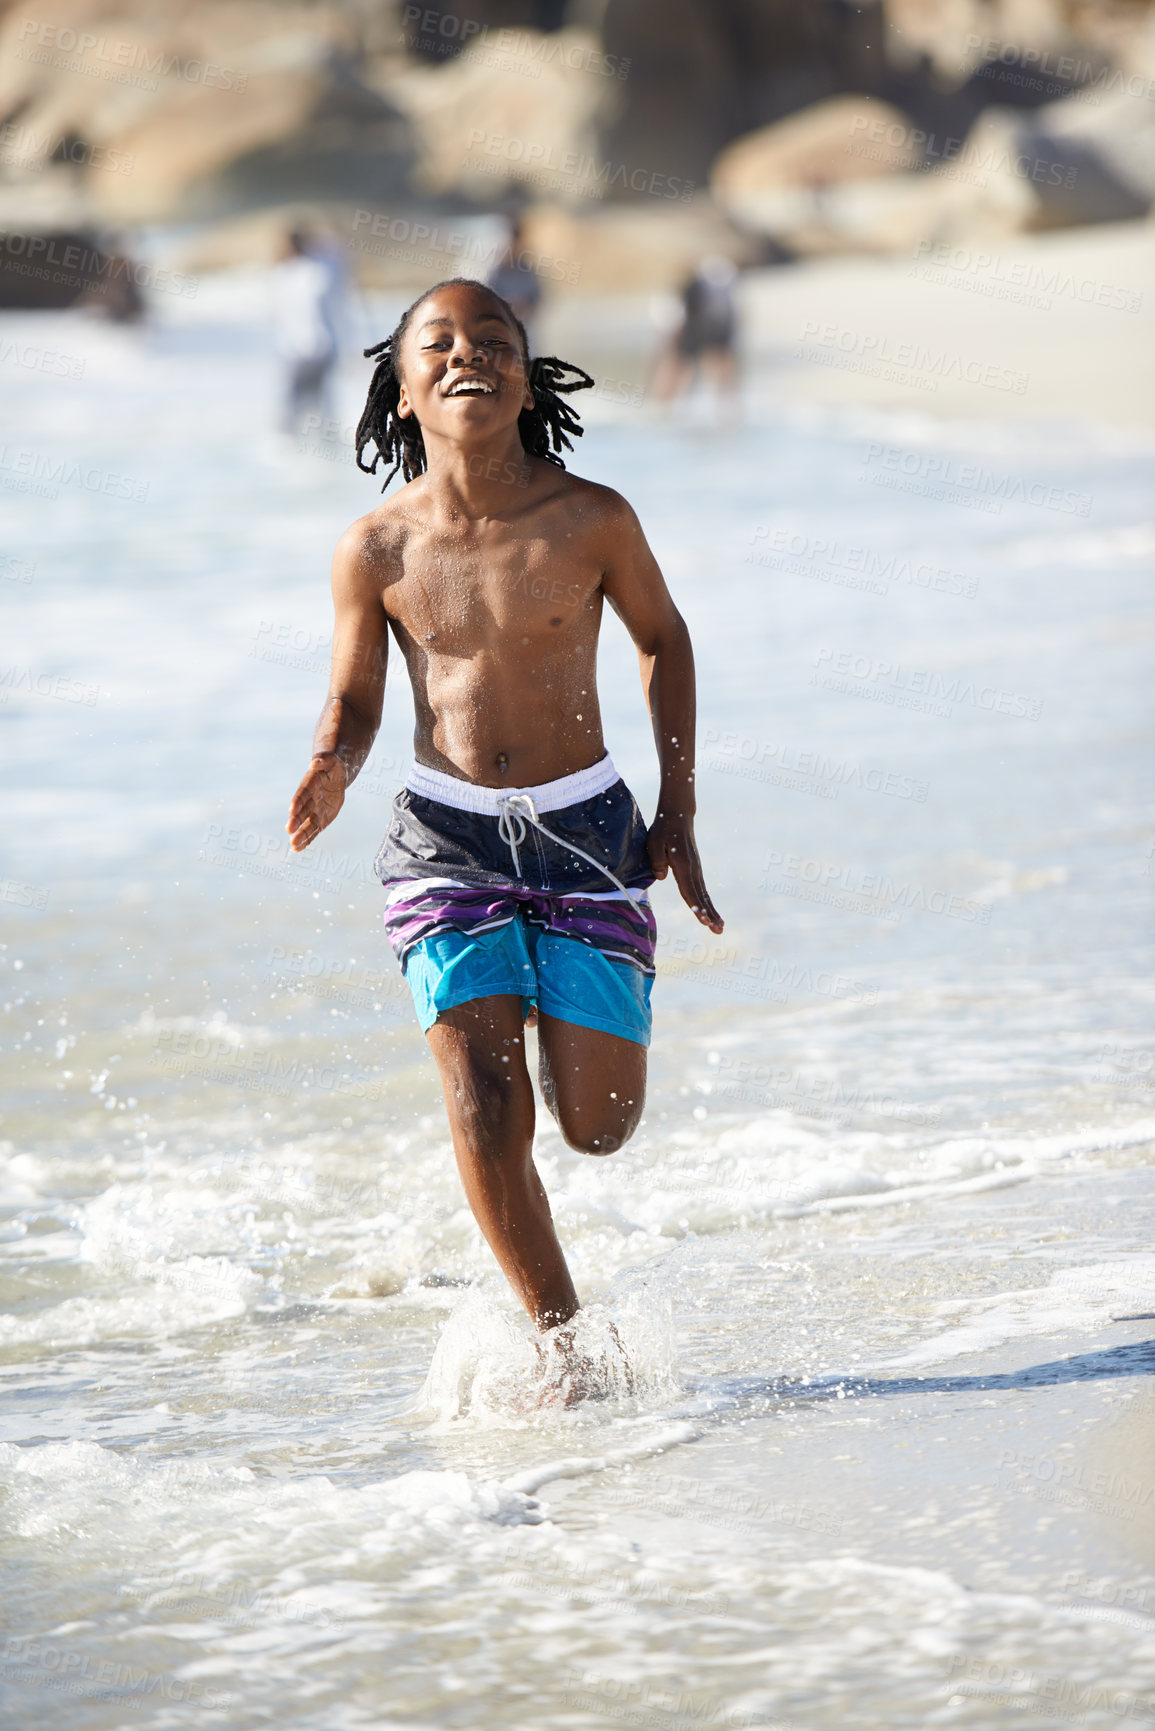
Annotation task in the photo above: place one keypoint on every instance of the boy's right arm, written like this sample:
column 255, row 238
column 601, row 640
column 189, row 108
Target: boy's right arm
column 352, row 714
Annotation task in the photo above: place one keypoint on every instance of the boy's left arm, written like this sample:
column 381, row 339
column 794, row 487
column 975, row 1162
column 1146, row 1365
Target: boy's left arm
column 636, row 590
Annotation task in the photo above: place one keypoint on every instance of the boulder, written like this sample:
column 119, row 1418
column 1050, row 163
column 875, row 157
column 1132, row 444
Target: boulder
column 514, row 111
column 702, row 73
column 200, row 133
column 949, row 38
column 631, row 249
column 153, row 99
column 842, row 138
column 979, row 190
column 47, row 269
column 1103, row 143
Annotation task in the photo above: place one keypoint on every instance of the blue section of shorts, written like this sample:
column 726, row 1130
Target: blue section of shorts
column 563, row 977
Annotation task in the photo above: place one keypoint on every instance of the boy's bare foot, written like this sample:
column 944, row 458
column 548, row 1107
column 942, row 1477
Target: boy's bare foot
column 574, row 1373
column 570, row 1374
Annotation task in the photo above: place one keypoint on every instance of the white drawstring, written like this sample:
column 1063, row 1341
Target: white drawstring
column 515, row 810
column 508, row 817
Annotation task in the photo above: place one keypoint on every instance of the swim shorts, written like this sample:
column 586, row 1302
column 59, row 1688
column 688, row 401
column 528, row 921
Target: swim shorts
column 538, row 892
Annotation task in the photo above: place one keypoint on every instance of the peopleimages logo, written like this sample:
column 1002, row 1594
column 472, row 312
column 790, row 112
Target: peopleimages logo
column 1040, row 69
column 855, row 567
column 23, row 147
column 402, row 238
column 448, row 32
column 53, row 44
column 868, row 351
column 35, row 359
column 1038, row 281
column 781, row 764
column 55, row 260
column 923, row 688
column 58, row 685
column 938, row 477
column 584, row 173
column 858, row 891
column 27, row 471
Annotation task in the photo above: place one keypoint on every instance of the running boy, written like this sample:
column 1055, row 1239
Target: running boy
column 517, row 862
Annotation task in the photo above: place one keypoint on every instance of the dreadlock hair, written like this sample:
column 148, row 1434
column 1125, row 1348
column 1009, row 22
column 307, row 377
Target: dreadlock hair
column 544, row 429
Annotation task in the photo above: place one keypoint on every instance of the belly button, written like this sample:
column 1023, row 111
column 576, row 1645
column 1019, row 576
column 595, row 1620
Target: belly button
column 502, row 761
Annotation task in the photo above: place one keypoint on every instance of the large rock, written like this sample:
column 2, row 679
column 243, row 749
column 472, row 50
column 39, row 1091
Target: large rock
column 1104, row 142
column 46, row 269
column 702, row 73
column 150, row 101
column 138, row 110
column 981, row 190
column 513, row 110
column 1087, row 158
column 200, row 133
column 624, row 249
column 949, row 38
column 843, row 138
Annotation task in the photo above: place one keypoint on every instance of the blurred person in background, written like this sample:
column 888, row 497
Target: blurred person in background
column 116, row 293
column 703, row 338
column 515, row 279
column 306, row 286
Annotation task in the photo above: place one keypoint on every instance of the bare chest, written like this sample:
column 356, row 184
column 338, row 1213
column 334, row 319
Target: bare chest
column 461, row 596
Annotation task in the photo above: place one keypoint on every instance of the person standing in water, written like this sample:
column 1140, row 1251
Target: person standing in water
column 304, row 292
column 514, row 277
column 705, row 336
column 517, row 863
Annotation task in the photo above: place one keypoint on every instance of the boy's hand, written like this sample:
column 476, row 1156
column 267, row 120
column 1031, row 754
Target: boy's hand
column 672, row 847
column 316, row 802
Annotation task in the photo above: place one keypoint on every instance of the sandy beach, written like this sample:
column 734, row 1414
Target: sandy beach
column 1046, row 328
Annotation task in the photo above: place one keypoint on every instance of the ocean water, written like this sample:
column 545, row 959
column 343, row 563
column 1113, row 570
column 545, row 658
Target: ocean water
column 276, row 1447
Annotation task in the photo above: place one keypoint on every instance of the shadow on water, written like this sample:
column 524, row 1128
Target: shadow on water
column 1137, row 1359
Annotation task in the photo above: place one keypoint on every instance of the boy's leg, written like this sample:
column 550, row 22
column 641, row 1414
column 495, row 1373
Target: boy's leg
column 594, row 1083
column 480, row 1053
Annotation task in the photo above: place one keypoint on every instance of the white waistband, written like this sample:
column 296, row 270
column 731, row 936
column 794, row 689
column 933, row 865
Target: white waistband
column 489, row 801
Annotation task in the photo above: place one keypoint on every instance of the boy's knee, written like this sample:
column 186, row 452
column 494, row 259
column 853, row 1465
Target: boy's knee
column 588, row 1134
column 586, row 1143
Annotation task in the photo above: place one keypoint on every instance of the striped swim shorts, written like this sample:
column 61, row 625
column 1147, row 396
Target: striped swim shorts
column 538, row 892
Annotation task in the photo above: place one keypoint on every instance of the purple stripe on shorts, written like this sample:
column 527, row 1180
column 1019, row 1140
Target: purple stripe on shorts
column 622, row 931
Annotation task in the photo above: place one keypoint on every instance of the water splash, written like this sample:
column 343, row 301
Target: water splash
column 491, row 1368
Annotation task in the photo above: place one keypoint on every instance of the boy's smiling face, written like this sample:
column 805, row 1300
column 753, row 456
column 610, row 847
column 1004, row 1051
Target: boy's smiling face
column 463, row 370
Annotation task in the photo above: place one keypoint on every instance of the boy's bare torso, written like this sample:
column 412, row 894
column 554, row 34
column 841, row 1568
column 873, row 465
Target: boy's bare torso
column 491, row 568
column 498, row 621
